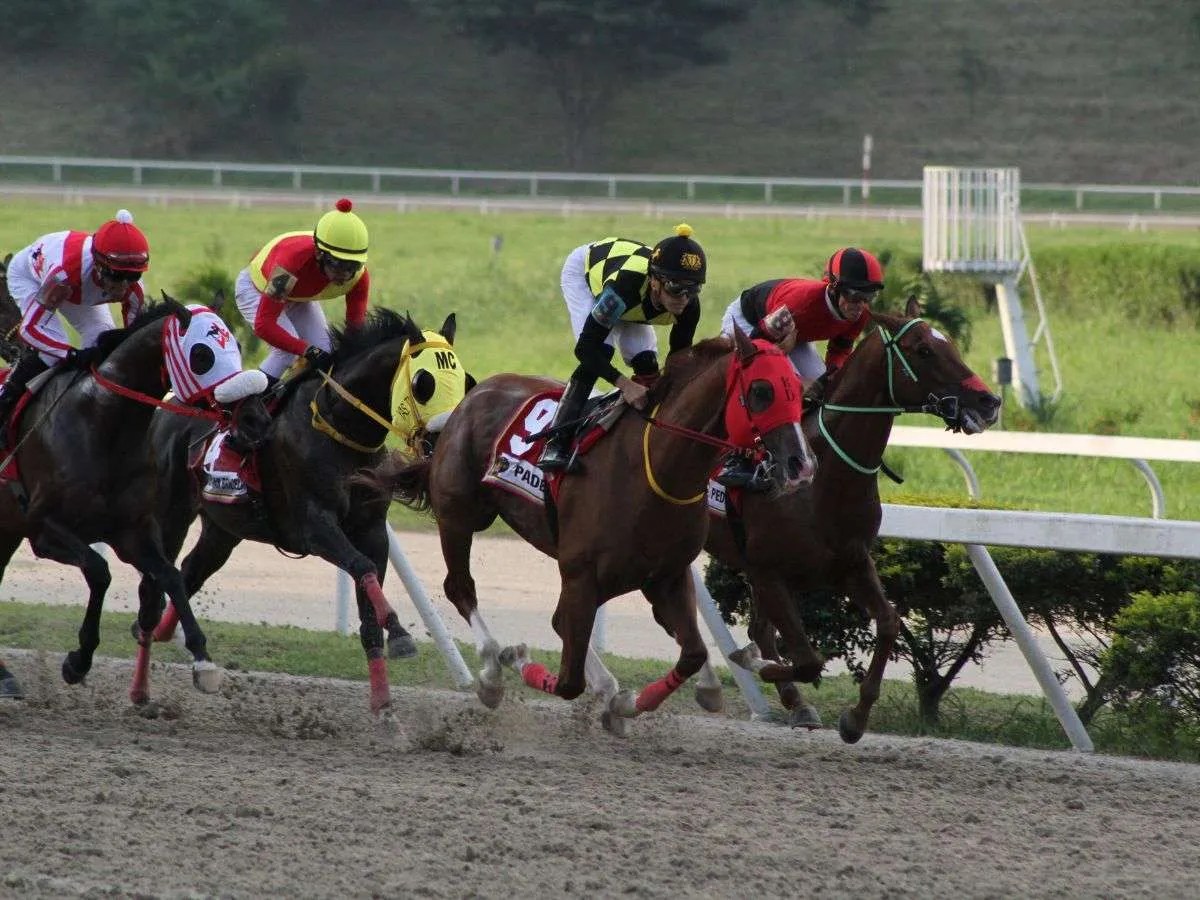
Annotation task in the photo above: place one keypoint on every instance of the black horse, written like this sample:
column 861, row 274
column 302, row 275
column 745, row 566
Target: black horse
column 322, row 433
column 87, row 476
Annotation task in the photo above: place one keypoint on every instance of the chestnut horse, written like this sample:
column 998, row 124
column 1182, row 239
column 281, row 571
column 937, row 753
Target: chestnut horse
column 634, row 519
column 821, row 536
column 322, row 433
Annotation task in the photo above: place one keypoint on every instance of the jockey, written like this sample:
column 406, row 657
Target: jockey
column 792, row 312
column 615, row 291
column 276, row 292
column 72, row 275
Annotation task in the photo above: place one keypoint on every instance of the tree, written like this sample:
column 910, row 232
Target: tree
column 592, row 50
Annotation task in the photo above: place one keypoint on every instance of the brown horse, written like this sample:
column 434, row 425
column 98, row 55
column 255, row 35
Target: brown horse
column 822, row 536
column 633, row 520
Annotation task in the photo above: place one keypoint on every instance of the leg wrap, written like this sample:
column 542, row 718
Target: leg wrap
column 538, row 677
column 654, row 694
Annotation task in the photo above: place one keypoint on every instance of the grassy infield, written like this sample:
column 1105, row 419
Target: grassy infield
column 1122, row 375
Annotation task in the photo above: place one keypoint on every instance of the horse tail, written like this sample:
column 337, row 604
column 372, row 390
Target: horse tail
column 404, row 479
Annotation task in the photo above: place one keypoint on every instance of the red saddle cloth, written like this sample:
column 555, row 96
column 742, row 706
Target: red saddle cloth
column 224, row 475
column 10, row 472
column 513, row 465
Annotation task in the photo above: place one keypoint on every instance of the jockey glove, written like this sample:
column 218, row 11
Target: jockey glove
column 84, row 357
column 319, row 359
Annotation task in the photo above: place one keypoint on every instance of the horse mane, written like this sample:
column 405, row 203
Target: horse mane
column 109, row 340
column 682, row 366
column 381, row 325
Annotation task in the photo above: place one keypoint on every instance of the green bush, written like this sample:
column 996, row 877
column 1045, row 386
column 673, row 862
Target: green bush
column 1154, row 658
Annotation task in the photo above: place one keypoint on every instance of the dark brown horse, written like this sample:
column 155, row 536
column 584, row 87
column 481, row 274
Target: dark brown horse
column 821, row 536
column 322, row 434
column 633, row 520
column 87, row 476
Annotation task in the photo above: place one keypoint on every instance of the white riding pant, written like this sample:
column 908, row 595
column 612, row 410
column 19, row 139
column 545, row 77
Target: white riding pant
column 805, row 359
column 305, row 320
column 630, row 338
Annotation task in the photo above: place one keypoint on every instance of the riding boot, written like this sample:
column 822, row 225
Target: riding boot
column 736, row 472
column 27, row 368
column 557, row 452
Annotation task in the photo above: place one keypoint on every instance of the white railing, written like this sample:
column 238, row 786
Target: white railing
column 1135, row 449
column 769, row 189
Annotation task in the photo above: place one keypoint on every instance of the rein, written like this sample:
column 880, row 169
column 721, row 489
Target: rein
column 146, row 399
column 323, row 425
column 891, row 346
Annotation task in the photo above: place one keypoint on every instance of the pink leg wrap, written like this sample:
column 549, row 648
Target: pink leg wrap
column 539, row 678
column 381, row 696
column 139, row 688
column 370, row 584
column 653, row 695
column 166, row 625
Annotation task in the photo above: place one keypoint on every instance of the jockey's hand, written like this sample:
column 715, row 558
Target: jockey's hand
column 633, row 393
column 318, row 358
column 84, row 357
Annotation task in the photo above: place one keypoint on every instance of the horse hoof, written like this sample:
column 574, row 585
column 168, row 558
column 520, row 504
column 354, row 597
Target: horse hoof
column 489, row 695
column 614, row 725
column 206, row 677
column 10, row 688
column 509, row 655
column 401, row 647
column 710, row 699
column 805, row 717
column 73, row 671
column 745, row 656
column 381, row 703
column 139, row 697
column 849, row 732
column 624, row 704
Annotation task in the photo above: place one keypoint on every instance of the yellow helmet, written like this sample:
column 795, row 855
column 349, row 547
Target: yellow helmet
column 342, row 234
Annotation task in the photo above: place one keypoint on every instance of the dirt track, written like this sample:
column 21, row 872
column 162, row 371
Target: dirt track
column 285, row 787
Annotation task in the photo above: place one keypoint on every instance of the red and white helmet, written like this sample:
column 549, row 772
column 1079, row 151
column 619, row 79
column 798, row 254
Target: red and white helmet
column 120, row 246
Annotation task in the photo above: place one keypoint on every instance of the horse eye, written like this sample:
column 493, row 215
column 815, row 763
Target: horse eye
column 760, row 396
column 201, row 359
column 423, row 385
column 924, row 351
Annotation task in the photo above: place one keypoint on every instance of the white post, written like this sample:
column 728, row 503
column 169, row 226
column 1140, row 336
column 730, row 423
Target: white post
column 747, row 682
column 866, row 168
column 345, row 590
column 1016, row 341
column 429, row 615
column 1023, row 634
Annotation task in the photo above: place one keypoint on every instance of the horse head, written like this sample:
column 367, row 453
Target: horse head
column 431, row 383
column 914, row 367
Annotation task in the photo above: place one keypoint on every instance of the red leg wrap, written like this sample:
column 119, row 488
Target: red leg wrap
column 370, row 584
column 653, row 695
column 539, row 678
column 166, row 625
column 139, row 688
column 381, row 696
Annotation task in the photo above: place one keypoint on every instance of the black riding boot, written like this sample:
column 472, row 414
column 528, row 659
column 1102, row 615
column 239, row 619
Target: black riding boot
column 28, row 367
column 557, row 453
column 737, row 471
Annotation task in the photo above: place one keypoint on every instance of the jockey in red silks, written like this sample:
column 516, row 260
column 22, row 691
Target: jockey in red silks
column 277, row 292
column 792, row 312
column 73, row 275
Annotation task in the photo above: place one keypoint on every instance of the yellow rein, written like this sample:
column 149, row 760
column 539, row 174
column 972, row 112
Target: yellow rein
column 321, row 425
column 654, row 485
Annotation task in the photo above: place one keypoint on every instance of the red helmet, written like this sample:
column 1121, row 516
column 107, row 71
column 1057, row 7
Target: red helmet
column 854, row 270
column 119, row 245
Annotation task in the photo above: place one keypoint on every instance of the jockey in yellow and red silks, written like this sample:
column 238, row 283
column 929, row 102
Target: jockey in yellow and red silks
column 278, row 292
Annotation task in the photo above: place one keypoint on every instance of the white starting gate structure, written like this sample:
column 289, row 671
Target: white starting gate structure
column 972, row 226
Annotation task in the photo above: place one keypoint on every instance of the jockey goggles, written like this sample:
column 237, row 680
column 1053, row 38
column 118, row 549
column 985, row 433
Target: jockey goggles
column 858, row 296
column 343, row 267
column 689, row 289
column 107, row 274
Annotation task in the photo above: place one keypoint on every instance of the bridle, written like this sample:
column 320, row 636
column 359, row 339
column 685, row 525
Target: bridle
column 945, row 407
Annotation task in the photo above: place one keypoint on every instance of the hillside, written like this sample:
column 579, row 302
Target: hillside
column 1070, row 91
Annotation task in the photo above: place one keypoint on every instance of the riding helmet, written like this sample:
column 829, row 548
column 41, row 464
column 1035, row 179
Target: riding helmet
column 854, row 269
column 341, row 233
column 679, row 258
column 119, row 245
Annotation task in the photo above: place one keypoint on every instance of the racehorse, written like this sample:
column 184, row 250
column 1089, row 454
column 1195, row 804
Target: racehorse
column 87, row 476
column 634, row 519
column 821, row 536
column 325, row 429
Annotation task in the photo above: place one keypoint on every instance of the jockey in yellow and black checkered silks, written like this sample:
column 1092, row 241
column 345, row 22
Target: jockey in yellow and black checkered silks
column 616, row 290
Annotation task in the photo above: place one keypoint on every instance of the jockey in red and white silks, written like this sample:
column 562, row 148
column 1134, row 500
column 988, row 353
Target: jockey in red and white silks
column 204, row 361
column 59, row 275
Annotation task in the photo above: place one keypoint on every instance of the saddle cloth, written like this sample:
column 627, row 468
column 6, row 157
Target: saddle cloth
column 225, row 475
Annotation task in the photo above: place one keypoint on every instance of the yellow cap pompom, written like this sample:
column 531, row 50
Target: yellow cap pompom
column 683, row 229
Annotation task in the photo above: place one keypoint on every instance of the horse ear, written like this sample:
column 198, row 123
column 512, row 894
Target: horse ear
column 449, row 327
column 745, row 346
column 912, row 308
column 4, row 263
column 471, row 382
column 218, row 300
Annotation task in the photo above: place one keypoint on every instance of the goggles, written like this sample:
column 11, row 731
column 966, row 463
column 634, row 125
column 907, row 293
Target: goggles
column 858, row 296
column 107, row 274
column 689, row 289
column 343, row 267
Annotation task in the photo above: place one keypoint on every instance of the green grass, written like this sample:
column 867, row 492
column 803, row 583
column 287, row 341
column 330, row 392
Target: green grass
column 967, row 714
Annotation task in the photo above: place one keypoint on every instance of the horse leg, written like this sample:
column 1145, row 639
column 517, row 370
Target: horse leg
column 10, row 688
column 374, row 543
column 709, row 695
column 674, row 602
column 57, row 543
column 864, row 589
